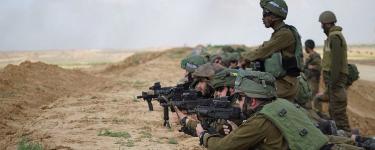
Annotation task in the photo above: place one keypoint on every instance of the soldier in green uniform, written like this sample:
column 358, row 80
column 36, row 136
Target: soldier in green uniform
column 285, row 40
column 223, row 83
column 272, row 123
column 312, row 71
column 190, row 64
column 202, row 76
column 335, row 70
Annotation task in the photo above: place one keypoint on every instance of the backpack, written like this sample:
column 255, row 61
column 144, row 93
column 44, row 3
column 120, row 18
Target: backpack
column 353, row 74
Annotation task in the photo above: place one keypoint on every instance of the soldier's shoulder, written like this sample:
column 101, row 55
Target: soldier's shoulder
column 285, row 32
column 258, row 119
column 316, row 55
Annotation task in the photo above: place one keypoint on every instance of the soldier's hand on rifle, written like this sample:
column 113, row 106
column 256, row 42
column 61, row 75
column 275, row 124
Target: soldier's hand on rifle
column 229, row 127
column 182, row 117
column 199, row 129
column 179, row 112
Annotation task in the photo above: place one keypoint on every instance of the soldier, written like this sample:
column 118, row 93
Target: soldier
column 312, row 70
column 285, row 41
column 268, row 124
column 202, row 76
column 190, row 64
column 223, row 83
column 335, row 70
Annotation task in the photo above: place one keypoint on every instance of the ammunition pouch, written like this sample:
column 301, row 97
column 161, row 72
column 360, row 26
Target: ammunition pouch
column 274, row 65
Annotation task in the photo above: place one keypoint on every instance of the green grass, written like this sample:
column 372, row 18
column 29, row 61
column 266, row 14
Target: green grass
column 172, row 141
column 130, row 143
column 25, row 144
column 178, row 53
column 109, row 133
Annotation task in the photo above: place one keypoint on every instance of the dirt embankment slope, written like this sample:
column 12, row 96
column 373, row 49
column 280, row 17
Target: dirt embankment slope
column 361, row 96
column 79, row 119
column 25, row 89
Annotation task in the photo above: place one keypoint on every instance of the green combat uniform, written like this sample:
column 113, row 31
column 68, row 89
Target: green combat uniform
column 223, row 78
column 282, row 40
column 313, row 75
column 279, row 124
column 285, row 40
column 335, row 72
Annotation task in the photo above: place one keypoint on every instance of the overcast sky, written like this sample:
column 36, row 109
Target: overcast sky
column 82, row 24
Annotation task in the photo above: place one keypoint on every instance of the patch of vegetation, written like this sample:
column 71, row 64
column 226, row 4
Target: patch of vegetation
column 25, row 144
column 145, row 134
column 109, row 133
column 172, row 141
column 178, row 53
column 130, row 143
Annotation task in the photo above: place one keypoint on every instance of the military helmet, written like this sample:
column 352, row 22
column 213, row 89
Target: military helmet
column 277, row 7
column 192, row 62
column 226, row 77
column 255, row 84
column 327, row 17
column 207, row 70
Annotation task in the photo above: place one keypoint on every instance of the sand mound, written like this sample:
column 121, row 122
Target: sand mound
column 136, row 59
column 26, row 88
column 143, row 57
column 361, row 106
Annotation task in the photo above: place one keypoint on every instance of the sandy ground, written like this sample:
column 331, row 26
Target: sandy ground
column 96, row 100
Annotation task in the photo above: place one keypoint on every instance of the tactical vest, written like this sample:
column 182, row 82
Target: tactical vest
column 295, row 126
column 279, row 67
column 327, row 58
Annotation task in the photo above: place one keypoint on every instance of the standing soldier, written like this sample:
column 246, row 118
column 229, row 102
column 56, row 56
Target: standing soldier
column 312, row 70
column 285, row 44
column 335, row 70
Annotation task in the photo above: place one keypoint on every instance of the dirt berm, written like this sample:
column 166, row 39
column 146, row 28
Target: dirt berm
column 71, row 109
column 28, row 88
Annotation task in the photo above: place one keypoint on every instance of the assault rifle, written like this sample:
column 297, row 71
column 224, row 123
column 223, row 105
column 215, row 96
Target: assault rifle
column 210, row 114
column 156, row 91
column 191, row 99
column 163, row 96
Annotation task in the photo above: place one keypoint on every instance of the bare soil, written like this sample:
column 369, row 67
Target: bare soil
column 67, row 109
